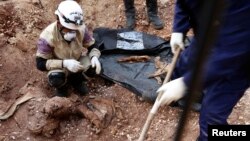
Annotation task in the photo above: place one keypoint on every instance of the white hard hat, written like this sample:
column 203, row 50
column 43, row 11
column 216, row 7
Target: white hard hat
column 70, row 15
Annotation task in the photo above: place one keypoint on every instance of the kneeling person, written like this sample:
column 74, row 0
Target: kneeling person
column 62, row 50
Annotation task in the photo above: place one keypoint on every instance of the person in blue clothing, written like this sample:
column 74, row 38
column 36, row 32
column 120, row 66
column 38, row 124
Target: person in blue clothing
column 226, row 71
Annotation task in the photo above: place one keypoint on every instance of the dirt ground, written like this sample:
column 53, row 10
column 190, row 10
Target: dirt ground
column 21, row 22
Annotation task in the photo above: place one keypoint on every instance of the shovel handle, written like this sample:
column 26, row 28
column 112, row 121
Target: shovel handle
column 173, row 63
column 157, row 102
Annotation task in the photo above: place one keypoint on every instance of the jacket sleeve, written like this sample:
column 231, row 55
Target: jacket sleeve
column 90, row 44
column 181, row 18
column 44, row 50
column 41, row 63
column 88, row 40
column 44, row 60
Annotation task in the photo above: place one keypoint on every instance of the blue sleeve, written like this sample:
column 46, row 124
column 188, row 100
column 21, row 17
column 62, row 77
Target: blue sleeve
column 181, row 18
column 229, row 58
column 223, row 66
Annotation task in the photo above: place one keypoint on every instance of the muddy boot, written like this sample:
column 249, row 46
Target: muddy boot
column 130, row 13
column 152, row 14
column 196, row 106
column 62, row 91
column 81, row 88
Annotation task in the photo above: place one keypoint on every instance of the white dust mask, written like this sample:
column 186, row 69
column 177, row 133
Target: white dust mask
column 69, row 36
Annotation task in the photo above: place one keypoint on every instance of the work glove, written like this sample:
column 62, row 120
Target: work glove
column 176, row 41
column 96, row 64
column 172, row 91
column 72, row 65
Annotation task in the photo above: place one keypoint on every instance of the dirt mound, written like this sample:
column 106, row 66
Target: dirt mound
column 21, row 22
column 8, row 20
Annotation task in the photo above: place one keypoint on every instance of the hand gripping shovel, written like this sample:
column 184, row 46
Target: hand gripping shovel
column 157, row 101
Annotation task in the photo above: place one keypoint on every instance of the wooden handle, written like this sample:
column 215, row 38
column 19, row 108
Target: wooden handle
column 157, row 102
column 173, row 63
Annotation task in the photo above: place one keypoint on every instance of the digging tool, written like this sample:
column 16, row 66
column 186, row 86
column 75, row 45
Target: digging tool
column 157, row 101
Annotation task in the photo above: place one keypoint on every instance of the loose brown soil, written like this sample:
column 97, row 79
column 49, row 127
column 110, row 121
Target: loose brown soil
column 21, row 22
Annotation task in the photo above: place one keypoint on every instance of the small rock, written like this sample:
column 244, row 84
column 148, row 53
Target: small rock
column 144, row 23
column 164, row 2
column 13, row 137
column 12, row 40
column 35, row 2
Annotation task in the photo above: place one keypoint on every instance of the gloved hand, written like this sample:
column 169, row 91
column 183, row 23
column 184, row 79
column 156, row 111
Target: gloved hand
column 176, row 41
column 172, row 91
column 72, row 65
column 95, row 63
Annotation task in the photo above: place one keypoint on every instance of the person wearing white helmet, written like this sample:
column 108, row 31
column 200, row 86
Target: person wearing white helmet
column 67, row 50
